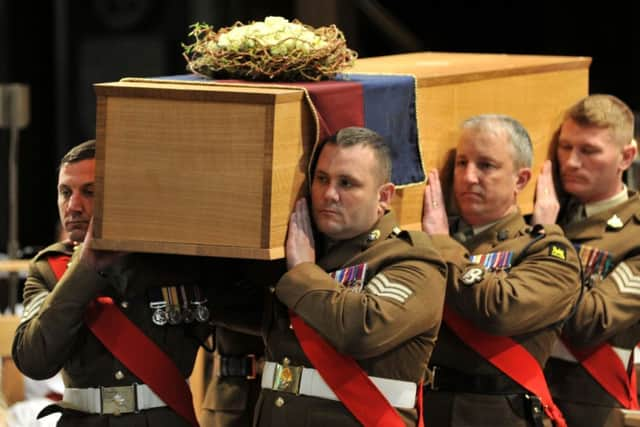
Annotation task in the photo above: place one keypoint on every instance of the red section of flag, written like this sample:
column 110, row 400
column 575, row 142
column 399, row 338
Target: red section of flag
column 338, row 104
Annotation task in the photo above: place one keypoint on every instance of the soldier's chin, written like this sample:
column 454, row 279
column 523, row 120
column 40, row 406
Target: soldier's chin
column 326, row 227
column 77, row 234
column 574, row 188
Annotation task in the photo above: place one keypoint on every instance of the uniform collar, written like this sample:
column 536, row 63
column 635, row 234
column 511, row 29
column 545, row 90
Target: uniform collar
column 65, row 247
column 503, row 229
column 612, row 219
column 342, row 251
column 603, row 205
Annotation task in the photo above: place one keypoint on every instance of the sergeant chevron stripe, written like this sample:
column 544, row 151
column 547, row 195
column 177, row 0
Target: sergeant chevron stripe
column 627, row 281
column 382, row 287
column 34, row 306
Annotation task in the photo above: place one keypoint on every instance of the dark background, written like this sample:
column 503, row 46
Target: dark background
column 61, row 47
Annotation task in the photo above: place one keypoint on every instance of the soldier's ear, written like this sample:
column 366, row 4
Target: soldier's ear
column 629, row 153
column 522, row 178
column 385, row 195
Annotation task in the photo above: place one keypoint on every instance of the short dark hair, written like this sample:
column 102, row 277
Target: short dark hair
column 351, row 136
column 83, row 151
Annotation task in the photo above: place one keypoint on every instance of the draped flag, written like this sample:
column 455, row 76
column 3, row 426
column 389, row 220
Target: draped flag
column 383, row 103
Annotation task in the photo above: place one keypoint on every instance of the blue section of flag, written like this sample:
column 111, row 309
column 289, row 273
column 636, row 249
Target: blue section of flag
column 390, row 110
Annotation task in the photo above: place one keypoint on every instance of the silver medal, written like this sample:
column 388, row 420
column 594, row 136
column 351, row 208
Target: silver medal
column 159, row 317
column 202, row 313
column 174, row 315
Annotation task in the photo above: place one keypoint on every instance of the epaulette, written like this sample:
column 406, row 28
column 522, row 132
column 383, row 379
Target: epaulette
column 545, row 230
column 414, row 237
column 536, row 230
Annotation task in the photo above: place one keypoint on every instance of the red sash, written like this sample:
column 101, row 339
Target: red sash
column 347, row 380
column 58, row 264
column 508, row 356
column 135, row 350
column 604, row 366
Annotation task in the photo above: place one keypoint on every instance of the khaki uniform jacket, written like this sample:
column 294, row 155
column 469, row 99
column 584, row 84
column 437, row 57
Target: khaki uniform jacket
column 389, row 336
column 609, row 311
column 230, row 400
column 526, row 301
column 52, row 334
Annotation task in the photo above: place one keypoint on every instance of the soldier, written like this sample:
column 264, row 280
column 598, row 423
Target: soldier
column 360, row 304
column 509, row 286
column 589, row 371
column 124, row 328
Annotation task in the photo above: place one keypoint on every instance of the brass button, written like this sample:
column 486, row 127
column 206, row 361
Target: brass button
column 279, row 402
column 124, row 304
column 119, row 375
column 286, row 361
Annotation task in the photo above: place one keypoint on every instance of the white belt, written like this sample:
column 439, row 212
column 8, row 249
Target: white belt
column 560, row 351
column 401, row 394
column 113, row 400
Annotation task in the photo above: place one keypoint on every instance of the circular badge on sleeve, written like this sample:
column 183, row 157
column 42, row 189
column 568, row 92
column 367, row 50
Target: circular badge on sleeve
column 472, row 276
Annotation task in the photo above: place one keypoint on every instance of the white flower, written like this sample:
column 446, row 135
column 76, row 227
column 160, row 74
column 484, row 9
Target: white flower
column 276, row 33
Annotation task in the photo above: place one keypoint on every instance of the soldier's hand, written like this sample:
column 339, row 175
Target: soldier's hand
column 546, row 206
column 434, row 214
column 97, row 259
column 300, row 246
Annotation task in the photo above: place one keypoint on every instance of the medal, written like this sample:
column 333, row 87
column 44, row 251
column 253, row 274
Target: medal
column 159, row 317
column 493, row 261
column 199, row 309
column 187, row 314
column 351, row 277
column 596, row 263
column 201, row 313
column 158, row 305
column 174, row 315
column 173, row 307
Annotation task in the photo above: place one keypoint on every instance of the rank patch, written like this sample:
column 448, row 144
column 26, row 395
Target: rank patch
column 472, row 276
column 558, row 251
column 627, row 281
column 33, row 307
column 381, row 286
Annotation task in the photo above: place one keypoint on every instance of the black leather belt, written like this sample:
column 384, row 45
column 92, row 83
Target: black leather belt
column 452, row 380
column 235, row 366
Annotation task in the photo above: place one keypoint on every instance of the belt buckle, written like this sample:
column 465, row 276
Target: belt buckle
column 118, row 400
column 253, row 369
column 287, row 378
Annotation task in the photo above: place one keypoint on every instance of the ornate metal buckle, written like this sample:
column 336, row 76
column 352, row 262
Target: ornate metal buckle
column 287, row 378
column 118, row 400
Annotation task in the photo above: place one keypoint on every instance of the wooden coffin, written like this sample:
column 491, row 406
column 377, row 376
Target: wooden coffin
column 207, row 169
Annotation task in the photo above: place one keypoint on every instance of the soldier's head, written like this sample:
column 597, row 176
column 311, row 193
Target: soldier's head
column 76, row 177
column 594, row 147
column 350, row 183
column 492, row 165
